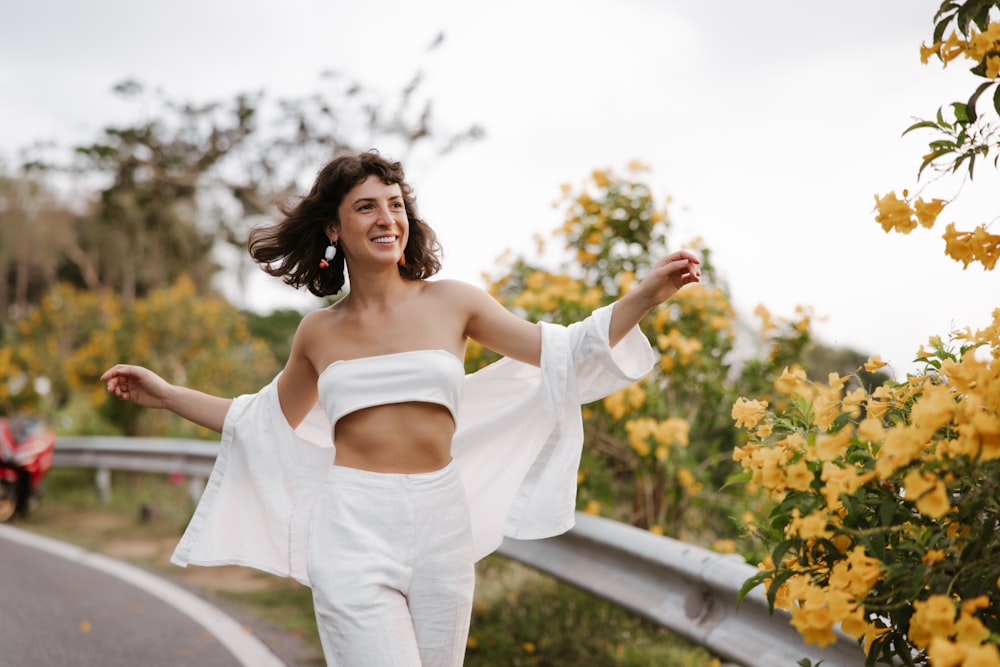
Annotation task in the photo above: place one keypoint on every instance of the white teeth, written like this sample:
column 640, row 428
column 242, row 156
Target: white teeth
column 384, row 239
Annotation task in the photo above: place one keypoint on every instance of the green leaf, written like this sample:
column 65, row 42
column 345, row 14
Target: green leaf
column 749, row 585
column 737, row 478
column 971, row 104
column 921, row 124
column 996, row 99
column 971, row 10
column 961, row 112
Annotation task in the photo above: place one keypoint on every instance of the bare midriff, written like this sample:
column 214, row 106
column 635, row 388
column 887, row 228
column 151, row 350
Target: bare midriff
column 397, row 438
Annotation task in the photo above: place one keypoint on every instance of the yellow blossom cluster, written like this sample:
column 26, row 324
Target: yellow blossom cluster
column 915, row 446
column 625, row 401
column 897, row 214
column 975, row 246
column 816, row 609
column 980, row 47
column 678, row 349
column 950, row 641
column 664, row 434
column 546, row 291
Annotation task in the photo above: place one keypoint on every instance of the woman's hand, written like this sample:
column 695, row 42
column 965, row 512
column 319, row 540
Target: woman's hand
column 144, row 387
column 138, row 385
column 667, row 276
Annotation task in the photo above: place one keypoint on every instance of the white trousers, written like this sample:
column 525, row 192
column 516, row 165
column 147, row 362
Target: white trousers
column 391, row 566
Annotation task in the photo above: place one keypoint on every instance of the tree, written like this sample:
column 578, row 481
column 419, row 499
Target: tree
column 170, row 187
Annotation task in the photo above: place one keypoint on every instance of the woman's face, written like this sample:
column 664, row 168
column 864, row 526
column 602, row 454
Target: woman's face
column 373, row 223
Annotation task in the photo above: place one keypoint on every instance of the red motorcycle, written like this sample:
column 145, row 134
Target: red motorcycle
column 26, row 450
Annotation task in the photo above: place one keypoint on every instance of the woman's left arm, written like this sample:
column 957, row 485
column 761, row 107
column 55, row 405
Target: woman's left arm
column 496, row 328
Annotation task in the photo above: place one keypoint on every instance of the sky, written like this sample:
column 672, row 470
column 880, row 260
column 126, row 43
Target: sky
column 770, row 124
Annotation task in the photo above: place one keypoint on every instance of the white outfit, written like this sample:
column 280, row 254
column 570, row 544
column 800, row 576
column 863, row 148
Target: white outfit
column 516, row 448
column 391, row 566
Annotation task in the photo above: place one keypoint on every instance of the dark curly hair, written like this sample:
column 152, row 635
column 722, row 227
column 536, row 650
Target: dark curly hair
column 293, row 247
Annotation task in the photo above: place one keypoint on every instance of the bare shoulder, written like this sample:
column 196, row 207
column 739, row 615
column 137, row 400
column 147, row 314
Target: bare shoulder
column 311, row 327
column 457, row 292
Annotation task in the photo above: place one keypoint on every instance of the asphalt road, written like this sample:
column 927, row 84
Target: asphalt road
column 63, row 606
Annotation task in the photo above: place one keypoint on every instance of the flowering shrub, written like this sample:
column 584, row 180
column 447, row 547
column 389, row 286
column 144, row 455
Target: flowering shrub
column 970, row 132
column 52, row 358
column 887, row 504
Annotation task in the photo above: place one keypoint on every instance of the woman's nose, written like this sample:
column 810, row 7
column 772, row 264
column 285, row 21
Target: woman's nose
column 385, row 216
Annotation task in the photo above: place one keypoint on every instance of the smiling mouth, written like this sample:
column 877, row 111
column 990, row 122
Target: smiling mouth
column 384, row 240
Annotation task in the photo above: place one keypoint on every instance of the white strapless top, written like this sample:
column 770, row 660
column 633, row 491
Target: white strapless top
column 426, row 376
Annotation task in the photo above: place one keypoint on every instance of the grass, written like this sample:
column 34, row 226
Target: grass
column 520, row 617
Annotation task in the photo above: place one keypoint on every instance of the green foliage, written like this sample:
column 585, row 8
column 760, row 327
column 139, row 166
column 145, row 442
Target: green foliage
column 54, row 356
column 538, row 621
column 276, row 329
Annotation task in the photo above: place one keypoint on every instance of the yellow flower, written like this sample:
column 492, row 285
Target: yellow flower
column 984, row 655
column 841, row 481
column 672, row 431
column 952, row 48
column 944, row 653
column 874, row 363
column 593, row 508
column 958, row 245
column 656, row 529
column 798, row 476
column 825, row 411
column 811, row 525
column 992, row 67
column 748, row 413
column 815, row 615
column 725, row 546
column 902, row 444
column 855, row 624
column 763, row 430
column 927, row 212
column 933, row 556
column 687, row 479
column 935, row 504
column 830, row 447
column 934, row 408
column 791, row 380
column 894, row 213
column 870, row 430
column 626, row 281
column 970, row 631
column 933, row 617
column 927, row 51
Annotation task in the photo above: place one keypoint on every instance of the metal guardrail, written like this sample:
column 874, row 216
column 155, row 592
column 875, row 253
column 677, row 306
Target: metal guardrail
column 687, row 589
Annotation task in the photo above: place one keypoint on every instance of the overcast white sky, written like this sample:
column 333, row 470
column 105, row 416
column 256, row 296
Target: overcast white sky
column 771, row 123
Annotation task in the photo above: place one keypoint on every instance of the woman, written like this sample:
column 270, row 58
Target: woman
column 430, row 467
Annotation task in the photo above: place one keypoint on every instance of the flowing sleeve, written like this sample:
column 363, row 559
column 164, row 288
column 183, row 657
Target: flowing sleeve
column 254, row 510
column 520, row 430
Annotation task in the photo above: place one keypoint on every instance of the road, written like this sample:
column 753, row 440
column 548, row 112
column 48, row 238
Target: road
column 62, row 605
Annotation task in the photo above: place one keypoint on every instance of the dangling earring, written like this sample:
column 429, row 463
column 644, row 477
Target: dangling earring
column 402, row 260
column 331, row 252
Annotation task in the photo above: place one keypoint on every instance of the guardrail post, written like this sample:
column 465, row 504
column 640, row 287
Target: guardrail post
column 103, row 479
column 196, row 487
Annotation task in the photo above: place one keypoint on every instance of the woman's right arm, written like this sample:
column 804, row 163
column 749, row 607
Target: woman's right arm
column 144, row 387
